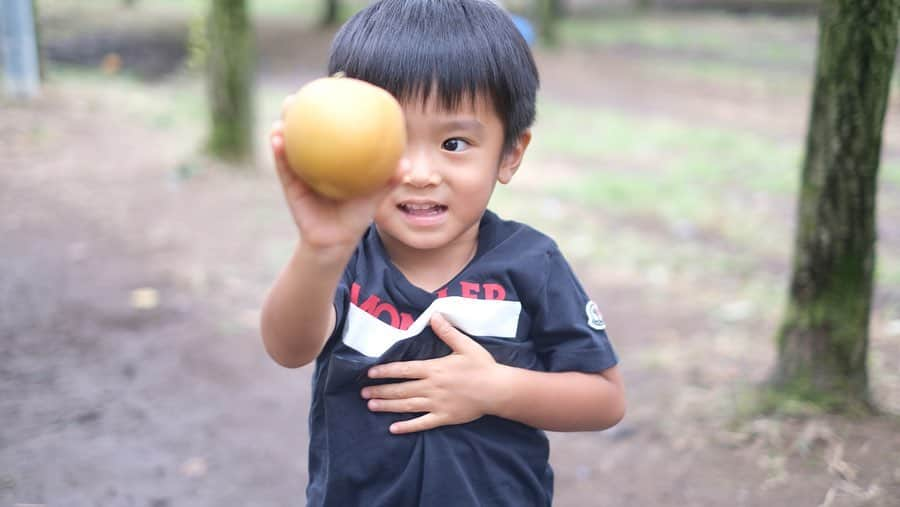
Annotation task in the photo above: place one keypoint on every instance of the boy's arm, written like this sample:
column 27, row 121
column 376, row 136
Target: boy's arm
column 468, row 384
column 560, row 401
column 298, row 313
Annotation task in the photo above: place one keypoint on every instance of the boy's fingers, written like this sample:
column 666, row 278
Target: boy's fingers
column 396, row 391
column 406, row 405
column 421, row 423
column 402, row 369
column 284, row 173
column 277, row 141
column 277, row 130
column 454, row 338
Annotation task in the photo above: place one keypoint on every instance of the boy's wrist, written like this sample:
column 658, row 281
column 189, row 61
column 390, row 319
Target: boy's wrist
column 323, row 257
column 499, row 388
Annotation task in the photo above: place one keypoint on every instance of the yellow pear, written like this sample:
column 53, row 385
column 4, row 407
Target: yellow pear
column 344, row 137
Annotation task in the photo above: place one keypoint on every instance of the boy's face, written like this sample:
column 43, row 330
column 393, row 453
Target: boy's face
column 456, row 158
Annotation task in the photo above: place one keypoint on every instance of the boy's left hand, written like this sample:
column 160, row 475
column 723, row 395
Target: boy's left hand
column 453, row 389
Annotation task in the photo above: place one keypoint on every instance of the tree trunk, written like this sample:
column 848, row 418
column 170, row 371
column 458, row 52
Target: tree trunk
column 39, row 41
column 823, row 341
column 230, row 80
column 547, row 15
column 330, row 14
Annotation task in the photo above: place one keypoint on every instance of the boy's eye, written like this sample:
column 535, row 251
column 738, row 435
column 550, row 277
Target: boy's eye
column 455, row 144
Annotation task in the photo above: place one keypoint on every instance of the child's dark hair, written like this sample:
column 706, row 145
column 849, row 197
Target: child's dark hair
column 462, row 48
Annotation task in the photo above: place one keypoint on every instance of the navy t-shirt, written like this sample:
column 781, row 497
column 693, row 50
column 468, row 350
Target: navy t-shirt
column 518, row 298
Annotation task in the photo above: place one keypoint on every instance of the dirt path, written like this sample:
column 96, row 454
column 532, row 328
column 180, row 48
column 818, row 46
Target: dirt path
column 105, row 402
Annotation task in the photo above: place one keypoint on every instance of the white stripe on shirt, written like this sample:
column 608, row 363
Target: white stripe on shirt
column 476, row 317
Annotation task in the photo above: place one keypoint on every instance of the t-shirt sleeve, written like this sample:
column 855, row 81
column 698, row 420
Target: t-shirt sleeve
column 341, row 301
column 341, row 304
column 568, row 329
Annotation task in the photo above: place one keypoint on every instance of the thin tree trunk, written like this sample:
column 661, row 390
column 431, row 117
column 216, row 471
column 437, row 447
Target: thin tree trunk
column 547, row 14
column 39, row 41
column 230, row 80
column 330, row 14
column 824, row 338
column 560, row 8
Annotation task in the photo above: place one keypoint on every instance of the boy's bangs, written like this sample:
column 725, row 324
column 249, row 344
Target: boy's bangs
column 413, row 68
column 417, row 48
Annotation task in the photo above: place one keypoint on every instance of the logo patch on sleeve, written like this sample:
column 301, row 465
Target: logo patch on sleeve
column 594, row 317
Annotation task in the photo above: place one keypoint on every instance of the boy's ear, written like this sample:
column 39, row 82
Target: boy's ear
column 512, row 158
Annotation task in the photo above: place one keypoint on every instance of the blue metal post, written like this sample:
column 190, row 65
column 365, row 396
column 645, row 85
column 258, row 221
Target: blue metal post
column 20, row 58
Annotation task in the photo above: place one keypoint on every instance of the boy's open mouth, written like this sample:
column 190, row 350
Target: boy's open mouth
column 422, row 209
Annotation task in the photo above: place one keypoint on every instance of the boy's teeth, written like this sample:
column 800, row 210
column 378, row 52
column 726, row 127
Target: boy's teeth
column 422, row 209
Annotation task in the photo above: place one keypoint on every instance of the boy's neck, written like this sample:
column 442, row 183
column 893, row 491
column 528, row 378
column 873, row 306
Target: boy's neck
column 431, row 269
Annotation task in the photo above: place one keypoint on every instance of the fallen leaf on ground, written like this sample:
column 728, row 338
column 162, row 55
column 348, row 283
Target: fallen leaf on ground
column 194, row 467
column 145, row 298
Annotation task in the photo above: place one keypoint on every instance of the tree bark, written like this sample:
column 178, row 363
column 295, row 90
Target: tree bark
column 230, row 80
column 823, row 341
column 330, row 14
column 547, row 14
column 39, row 41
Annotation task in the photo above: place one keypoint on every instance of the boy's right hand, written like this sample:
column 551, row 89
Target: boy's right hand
column 325, row 223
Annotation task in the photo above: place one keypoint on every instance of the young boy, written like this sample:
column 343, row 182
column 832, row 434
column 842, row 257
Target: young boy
column 445, row 338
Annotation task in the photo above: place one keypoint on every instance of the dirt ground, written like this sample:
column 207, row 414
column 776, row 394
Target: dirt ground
column 133, row 373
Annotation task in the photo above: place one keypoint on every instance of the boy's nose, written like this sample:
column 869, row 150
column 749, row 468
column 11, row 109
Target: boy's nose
column 420, row 173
